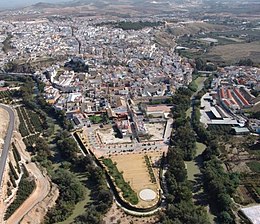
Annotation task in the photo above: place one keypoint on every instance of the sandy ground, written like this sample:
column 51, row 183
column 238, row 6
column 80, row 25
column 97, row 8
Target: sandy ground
column 136, row 173
column 155, row 130
column 35, row 206
column 42, row 184
column 117, row 215
column 4, row 121
column 107, row 136
column 40, row 192
column 37, row 213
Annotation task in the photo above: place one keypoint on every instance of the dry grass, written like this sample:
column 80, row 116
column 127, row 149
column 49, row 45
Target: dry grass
column 136, row 173
column 235, row 52
column 116, row 215
column 192, row 28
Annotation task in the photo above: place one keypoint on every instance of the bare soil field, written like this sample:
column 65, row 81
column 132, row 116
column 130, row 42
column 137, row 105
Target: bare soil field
column 107, row 136
column 37, row 213
column 4, row 120
column 116, row 215
column 235, row 52
column 193, row 27
column 155, row 131
column 135, row 171
column 44, row 195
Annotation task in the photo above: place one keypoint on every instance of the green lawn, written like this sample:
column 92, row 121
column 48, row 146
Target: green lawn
column 188, row 112
column 200, row 148
column 199, row 82
column 95, row 119
column 192, row 170
column 80, row 207
column 254, row 166
column 193, row 166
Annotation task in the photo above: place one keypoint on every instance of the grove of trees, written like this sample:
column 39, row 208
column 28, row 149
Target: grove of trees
column 181, row 208
column 219, row 185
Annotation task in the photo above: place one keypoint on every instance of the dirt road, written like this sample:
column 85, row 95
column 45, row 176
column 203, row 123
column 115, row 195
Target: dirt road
column 42, row 183
column 41, row 191
column 7, row 137
column 4, row 121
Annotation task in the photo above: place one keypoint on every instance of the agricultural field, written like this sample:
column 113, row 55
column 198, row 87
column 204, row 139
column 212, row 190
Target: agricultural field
column 5, row 94
column 243, row 156
column 193, row 28
column 30, row 125
column 232, row 53
column 140, row 172
column 227, row 47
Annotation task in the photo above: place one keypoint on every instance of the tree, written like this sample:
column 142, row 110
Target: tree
column 42, row 149
column 91, row 216
column 186, row 212
column 83, row 163
column 225, row 218
column 224, row 200
column 68, row 148
column 200, row 64
column 71, row 191
column 184, row 141
column 70, row 187
column 176, row 165
column 245, row 62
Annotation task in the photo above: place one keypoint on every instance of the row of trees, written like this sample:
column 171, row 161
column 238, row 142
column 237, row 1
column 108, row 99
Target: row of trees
column 181, row 208
column 64, row 148
column 71, row 191
column 101, row 196
column 183, row 137
column 25, row 188
column 128, row 193
column 219, row 185
column 136, row 25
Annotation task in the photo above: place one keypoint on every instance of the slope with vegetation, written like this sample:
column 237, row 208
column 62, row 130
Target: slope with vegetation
column 58, row 153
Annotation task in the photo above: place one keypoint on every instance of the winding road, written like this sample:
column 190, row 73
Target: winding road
column 7, row 142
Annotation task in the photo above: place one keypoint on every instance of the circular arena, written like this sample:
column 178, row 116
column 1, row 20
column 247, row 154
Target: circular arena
column 147, row 195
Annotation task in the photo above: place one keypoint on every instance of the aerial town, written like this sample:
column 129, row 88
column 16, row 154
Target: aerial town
column 126, row 113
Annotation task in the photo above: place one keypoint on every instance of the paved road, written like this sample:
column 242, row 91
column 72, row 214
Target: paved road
column 7, row 142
